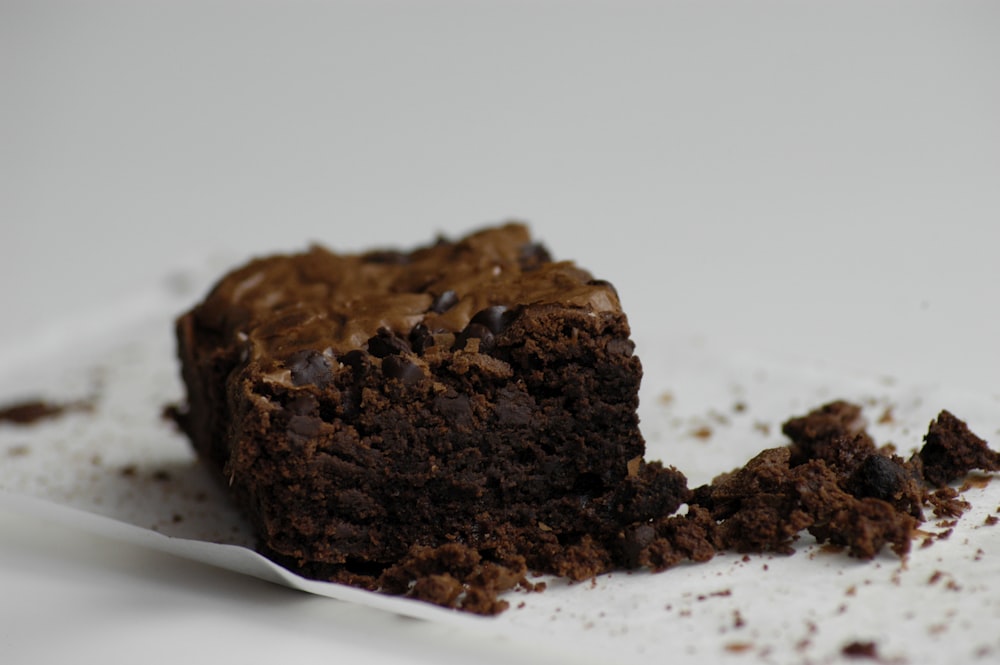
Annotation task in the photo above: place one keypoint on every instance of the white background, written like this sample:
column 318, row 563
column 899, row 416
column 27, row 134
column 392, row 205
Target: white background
column 820, row 180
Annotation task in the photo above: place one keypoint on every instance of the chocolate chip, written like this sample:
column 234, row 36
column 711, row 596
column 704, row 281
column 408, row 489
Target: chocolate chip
column 387, row 343
column 487, row 340
column 621, row 347
column 603, row 282
column 878, row 477
column 496, row 318
column 358, row 361
column 306, row 427
column 303, row 405
column 533, row 256
column 633, row 541
column 309, row 367
column 444, row 302
column 386, row 256
column 421, row 338
column 395, row 367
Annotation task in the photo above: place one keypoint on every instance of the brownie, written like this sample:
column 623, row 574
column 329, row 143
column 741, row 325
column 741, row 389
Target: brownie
column 433, row 422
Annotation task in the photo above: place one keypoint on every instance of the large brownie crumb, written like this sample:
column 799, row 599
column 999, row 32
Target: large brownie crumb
column 950, row 451
column 833, row 482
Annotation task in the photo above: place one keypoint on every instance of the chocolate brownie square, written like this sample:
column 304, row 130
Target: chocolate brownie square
column 469, row 398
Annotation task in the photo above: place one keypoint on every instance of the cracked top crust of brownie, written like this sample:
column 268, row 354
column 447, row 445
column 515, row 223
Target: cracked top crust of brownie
column 285, row 304
column 472, row 392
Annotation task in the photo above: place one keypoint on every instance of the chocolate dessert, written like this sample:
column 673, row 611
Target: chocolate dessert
column 456, row 415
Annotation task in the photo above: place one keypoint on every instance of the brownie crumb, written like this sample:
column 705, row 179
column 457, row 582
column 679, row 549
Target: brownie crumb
column 704, row 432
column 887, row 417
column 456, row 576
column 177, row 415
column 950, row 451
column 945, row 502
column 834, row 433
column 991, row 520
column 860, row 650
column 30, row 412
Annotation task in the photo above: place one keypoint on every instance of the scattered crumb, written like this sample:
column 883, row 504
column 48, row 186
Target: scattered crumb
column 739, row 647
column 715, row 594
column 739, row 407
column 666, row 398
column 718, row 418
column 991, row 520
column 31, row 411
column 703, row 432
column 975, row 480
column 763, row 427
column 18, row 450
column 860, row 650
column 886, row 418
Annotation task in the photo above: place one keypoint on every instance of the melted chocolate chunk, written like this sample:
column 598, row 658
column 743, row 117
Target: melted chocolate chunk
column 396, row 367
column 421, row 338
column 309, row 367
column 879, row 477
column 533, row 256
column 358, row 361
column 387, row 343
column 444, row 301
column 487, row 340
column 495, row 318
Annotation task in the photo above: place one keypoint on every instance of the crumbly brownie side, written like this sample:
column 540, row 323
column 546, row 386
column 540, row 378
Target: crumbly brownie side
column 474, row 393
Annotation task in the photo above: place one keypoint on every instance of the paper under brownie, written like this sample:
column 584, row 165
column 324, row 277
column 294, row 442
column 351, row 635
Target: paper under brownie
column 431, row 422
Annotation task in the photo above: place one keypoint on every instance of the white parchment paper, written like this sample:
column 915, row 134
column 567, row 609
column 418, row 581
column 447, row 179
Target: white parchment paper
column 120, row 469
